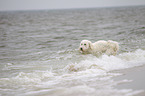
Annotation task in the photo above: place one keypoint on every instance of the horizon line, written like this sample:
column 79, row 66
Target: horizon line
column 71, row 8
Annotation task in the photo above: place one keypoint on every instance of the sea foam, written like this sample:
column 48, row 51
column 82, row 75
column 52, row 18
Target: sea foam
column 77, row 76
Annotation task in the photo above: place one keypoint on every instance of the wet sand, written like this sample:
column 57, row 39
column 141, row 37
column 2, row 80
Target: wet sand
column 137, row 77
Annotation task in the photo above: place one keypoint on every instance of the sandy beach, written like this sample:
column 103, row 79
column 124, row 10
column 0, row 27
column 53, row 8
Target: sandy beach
column 137, row 77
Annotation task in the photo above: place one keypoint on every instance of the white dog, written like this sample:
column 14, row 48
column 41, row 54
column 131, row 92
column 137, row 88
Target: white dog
column 100, row 47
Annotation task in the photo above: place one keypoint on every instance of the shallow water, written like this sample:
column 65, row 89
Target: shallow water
column 39, row 51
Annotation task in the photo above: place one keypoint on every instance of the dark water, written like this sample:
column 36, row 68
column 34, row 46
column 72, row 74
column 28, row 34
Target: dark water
column 39, row 48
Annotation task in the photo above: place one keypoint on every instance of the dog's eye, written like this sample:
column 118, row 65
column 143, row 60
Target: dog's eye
column 81, row 44
column 84, row 44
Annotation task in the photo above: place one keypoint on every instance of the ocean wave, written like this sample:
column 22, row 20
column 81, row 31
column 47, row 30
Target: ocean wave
column 90, row 64
column 77, row 76
column 110, row 63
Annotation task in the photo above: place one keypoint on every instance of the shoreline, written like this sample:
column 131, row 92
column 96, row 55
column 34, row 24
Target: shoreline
column 137, row 77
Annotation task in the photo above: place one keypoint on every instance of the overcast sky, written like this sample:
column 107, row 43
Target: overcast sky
column 61, row 4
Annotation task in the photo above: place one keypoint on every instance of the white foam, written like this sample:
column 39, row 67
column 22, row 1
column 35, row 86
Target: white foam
column 33, row 78
column 90, row 65
column 110, row 63
column 89, row 74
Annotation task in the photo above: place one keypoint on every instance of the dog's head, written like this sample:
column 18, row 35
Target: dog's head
column 85, row 46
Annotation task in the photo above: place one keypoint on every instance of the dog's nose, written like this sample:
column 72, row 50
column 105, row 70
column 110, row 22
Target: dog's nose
column 81, row 49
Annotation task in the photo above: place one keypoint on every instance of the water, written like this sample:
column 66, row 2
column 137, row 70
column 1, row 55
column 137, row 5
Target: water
column 39, row 51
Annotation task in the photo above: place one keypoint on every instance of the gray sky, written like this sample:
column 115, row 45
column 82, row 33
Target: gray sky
column 60, row 4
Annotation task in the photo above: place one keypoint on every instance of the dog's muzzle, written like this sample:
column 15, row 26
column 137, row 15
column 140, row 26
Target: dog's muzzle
column 81, row 49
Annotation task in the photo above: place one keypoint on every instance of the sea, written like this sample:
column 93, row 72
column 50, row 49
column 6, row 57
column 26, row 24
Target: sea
column 39, row 53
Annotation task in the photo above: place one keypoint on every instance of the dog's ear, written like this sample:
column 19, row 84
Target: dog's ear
column 90, row 45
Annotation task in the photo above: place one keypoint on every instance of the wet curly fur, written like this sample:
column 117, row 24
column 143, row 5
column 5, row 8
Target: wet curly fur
column 100, row 47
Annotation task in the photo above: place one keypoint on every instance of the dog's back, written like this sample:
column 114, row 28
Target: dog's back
column 114, row 45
